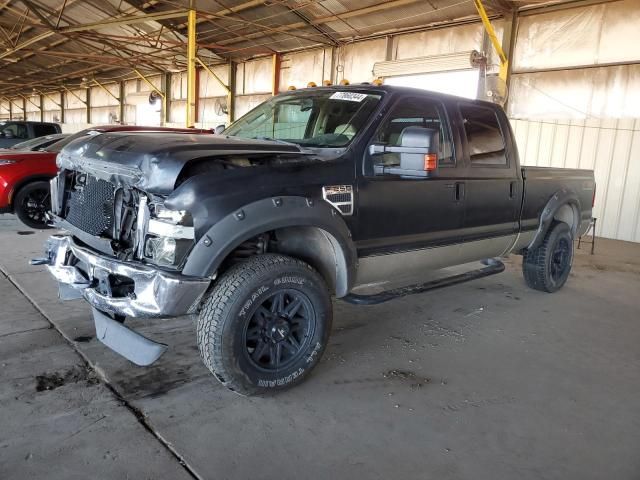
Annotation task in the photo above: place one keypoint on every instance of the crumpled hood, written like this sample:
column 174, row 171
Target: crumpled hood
column 152, row 162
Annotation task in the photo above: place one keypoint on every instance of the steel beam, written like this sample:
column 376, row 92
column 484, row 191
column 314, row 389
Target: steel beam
column 504, row 62
column 210, row 71
column 125, row 21
column 191, row 69
column 275, row 75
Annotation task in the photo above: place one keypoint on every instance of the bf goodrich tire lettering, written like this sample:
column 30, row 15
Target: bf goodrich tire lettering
column 246, row 343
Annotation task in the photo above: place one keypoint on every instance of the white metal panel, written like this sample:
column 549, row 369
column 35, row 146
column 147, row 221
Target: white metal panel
column 610, row 147
column 100, row 98
column 209, row 86
column 298, row 69
column 72, row 100
column 258, row 76
column 604, row 92
column 245, row 103
column 33, row 104
column 155, row 80
column 597, row 34
column 210, row 112
column 437, row 42
column 51, row 101
column 357, row 59
column 178, row 112
column 77, row 115
column 105, row 115
column 52, row 116
column 431, row 64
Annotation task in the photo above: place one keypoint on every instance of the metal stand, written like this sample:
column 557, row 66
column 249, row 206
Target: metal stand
column 592, row 228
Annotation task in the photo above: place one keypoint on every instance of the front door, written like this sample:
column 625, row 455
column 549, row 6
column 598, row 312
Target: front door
column 407, row 225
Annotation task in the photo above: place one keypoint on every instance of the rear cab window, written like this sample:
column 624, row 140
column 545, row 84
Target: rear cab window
column 42, row 129
column 485, row 140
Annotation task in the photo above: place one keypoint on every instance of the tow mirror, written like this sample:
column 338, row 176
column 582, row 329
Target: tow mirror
column 418, row 152
column 219, row 129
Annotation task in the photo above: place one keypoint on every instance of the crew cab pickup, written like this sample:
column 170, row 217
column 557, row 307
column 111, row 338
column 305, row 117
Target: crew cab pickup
column 25, row 175
column 12, row 132
column 316, row 192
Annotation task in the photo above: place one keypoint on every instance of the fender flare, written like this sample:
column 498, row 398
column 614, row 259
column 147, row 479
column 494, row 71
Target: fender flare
column 270, row 214
column 558, row 200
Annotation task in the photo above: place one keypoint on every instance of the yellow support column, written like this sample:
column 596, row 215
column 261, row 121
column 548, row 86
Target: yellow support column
column 191, row 68
column 504, row 62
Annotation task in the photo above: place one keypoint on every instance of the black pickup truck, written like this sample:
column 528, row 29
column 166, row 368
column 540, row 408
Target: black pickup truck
column 315, row 193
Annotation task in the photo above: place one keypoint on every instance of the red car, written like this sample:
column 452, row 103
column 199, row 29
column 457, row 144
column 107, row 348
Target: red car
column 24, row 176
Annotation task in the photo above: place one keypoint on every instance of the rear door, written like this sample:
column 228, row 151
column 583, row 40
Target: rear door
column 493, row 187
column 402, row 222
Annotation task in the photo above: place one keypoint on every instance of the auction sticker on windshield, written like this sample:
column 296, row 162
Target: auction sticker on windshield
column 350, row 96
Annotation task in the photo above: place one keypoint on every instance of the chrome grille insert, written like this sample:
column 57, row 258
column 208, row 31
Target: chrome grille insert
column 340, row 196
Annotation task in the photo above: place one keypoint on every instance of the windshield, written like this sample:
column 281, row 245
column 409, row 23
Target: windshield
column 38, row 143
column 314, row 119
column 56, row 147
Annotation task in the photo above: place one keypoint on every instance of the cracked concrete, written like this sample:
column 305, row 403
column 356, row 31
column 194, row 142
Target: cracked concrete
column 482, row 380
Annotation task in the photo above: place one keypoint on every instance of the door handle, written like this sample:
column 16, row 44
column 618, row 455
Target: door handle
column 512, row 189
column 459, row 191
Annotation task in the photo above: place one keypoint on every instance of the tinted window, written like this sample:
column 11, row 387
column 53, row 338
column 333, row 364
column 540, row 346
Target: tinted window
column 413, row 112
column 484, row 137
column 40, row 130
column 14, row 130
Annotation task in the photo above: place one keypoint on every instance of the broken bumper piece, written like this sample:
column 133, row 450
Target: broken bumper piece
column 131, row 345
column 116, row 287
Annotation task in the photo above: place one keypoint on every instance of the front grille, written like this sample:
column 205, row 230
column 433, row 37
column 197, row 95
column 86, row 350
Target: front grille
column 90, row 206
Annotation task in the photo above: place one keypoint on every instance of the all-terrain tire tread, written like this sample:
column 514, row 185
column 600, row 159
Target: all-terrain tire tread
column 535, row 267
column 212, row 313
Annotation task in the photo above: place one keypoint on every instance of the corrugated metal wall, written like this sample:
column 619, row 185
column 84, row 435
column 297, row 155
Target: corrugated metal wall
column 610, row 147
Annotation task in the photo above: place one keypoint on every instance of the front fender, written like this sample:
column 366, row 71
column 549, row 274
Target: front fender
column 270, row 214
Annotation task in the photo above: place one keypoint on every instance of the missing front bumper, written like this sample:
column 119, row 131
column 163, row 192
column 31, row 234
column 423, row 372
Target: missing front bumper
column 152, row 292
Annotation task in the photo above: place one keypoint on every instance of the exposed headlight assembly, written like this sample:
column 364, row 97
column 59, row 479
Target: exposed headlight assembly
column 169, row 236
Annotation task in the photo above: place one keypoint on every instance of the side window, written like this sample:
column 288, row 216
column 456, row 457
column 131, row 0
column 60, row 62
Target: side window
column 40, row 130
column 15, row 130
column 413, row 112
column 484, row 136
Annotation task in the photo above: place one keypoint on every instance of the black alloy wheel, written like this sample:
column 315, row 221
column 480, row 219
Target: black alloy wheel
column 280, row 329
column 32, row 203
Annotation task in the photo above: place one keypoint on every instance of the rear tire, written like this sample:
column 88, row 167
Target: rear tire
column 31, row 203
column 265, row 324
column 547, row 267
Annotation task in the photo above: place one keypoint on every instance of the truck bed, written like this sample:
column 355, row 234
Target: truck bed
column 541, row 183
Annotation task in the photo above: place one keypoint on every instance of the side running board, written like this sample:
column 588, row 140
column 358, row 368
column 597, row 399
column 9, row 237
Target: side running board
column 492, row 267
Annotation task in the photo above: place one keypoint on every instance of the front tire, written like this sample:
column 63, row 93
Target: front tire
column 31, row 203
column 547, row 267
column 265, row 324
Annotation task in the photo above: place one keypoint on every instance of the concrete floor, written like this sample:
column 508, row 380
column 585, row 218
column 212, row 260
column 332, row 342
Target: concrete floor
column 485, row 380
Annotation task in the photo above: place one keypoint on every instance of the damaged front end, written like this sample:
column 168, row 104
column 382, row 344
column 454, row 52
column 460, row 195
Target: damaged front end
column 122, row 254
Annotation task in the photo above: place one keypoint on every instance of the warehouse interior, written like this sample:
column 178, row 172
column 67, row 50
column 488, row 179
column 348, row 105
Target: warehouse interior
column 482, row 380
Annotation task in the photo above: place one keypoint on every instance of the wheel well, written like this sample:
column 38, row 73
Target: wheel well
column 568, row 213
column 23, row 183
column 313, row 245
